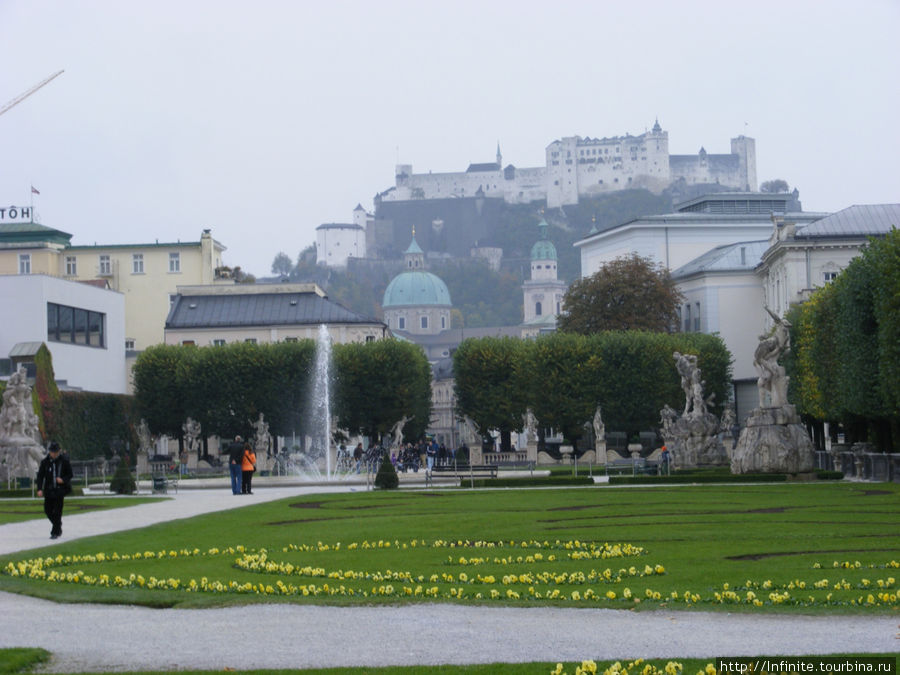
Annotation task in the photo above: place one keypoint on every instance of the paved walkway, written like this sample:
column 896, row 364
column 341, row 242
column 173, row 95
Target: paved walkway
column 123, row 638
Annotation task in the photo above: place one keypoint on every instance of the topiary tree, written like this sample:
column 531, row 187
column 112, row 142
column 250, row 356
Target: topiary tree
column 122, row 482
column 386, row 478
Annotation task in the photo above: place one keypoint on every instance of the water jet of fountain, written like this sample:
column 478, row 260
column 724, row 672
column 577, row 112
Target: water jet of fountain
column 321, row 392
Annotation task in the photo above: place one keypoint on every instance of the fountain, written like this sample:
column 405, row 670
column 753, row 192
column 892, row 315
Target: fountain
column 307, row 463
column 321, row 395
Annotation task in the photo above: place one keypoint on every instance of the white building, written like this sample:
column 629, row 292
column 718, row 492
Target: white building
column 727, row 288
column 801, row 259
column 698, row 225
column 83, row 326
column 723, row 294
column 262, row 313
column 338, row 242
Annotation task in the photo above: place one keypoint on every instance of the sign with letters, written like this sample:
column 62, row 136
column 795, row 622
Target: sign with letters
column 20, row 214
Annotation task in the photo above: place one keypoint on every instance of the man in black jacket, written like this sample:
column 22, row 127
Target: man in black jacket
column 54, row 482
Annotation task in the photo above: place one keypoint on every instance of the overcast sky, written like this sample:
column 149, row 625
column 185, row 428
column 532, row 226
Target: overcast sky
column 262, row 120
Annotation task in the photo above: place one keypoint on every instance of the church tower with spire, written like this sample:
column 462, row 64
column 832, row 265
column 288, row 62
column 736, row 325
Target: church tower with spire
column 543, row 292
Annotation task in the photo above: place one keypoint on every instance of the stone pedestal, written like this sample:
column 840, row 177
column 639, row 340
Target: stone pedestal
column 693, row 441
column 773, row 441
column 531, row 450
column 19, row 458
column 600, row 450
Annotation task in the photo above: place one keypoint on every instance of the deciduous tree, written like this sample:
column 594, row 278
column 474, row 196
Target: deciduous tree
column 628, row 293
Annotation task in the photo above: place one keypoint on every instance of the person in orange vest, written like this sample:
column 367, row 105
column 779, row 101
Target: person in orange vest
column 248, row 466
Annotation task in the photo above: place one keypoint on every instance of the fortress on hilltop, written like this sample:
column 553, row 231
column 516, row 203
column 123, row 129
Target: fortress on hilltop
column 579, row 167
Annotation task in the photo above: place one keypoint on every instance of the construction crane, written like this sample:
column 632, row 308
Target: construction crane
column 21, row 97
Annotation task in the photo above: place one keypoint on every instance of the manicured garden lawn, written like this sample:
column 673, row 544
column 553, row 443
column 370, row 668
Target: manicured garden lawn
column 21, row 509
column 818, row 547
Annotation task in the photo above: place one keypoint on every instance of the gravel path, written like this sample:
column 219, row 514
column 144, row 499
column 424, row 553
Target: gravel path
column 117, row 638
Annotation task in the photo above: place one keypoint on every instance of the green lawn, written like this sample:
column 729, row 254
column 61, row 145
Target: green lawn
column 24, row 660
column 812, row 548
column 21, row 509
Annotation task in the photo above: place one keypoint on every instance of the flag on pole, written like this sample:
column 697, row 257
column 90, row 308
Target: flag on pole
column 34, row 190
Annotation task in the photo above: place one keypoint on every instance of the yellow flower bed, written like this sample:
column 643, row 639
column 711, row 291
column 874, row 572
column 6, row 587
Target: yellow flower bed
column 533, row 575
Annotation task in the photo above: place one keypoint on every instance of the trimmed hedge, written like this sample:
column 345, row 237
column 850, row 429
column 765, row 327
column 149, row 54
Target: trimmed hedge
column 700, row 478
column 527, row 481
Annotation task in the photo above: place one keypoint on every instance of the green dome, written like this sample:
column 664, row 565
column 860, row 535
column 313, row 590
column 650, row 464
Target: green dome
column 543, row 248
column 416, row 289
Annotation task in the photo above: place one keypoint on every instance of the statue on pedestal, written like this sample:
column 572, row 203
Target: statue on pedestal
column 191, row 429
column 20, row 436
column 397, row 431
column 262, row 438
column 773, row 440
column 773, row 382
column 693, row 437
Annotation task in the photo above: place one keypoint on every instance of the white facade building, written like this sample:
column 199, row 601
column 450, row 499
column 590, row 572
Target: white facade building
column 338, row 242
column 698, row 225
column 801, row 259
column 82, row 325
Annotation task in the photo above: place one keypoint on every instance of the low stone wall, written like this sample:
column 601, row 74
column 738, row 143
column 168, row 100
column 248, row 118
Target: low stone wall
column 874, row 466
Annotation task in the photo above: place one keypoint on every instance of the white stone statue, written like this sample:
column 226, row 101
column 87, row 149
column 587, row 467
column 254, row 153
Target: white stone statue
column 17, row 419
column 191, row 429
column 686, row 364
column 530, row 425
column 145, row 439
column 261, row 438
column 772, row 382
column 599, row 427
column 20, row 447
column 470, row 432
column 397, row 431
column 726, row 424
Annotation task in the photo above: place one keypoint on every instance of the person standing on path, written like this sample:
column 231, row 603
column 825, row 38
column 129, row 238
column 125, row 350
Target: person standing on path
column 54, row 482
column 248, row 466
column 235, row 458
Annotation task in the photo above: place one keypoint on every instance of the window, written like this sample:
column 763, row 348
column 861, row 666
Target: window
column 188, row 343
column 218, row 342
column 697, row 317
column 24, row 263
column 137, row 263
column 443, row 322
column 174, row 262
column 250, row 341
column 76, row 326
column 290, row 338
column 71, row 268
column 129, row 344
column 105, row 266
column 830, row 276
column 537, row 309
column 370, row 338
column 423, row 322
column 401, row 323
column 687, row 318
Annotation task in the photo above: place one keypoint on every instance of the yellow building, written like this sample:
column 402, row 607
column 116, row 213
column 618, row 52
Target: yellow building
column 148, row 275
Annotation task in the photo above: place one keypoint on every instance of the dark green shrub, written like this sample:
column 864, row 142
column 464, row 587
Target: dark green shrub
column 122, row 482
column 386, row 478
column 821, row 474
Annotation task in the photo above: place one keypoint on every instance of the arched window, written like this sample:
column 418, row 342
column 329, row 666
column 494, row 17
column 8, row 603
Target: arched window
column 537, row 309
